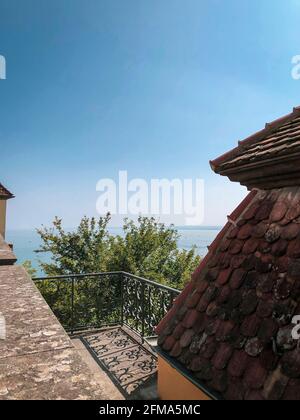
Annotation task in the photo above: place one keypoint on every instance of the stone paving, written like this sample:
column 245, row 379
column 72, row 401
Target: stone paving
column 37, row 358
column 130, row 364
column 7, row 257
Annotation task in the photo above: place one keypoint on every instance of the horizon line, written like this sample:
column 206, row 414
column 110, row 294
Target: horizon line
column 213, row 227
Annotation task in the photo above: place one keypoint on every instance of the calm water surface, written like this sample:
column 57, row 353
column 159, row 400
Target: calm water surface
column 26, row 242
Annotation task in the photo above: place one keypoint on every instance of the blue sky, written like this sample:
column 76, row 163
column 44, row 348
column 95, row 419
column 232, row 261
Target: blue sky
column 156, row 87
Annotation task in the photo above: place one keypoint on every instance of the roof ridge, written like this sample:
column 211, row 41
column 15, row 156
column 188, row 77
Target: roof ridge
column 259, row 135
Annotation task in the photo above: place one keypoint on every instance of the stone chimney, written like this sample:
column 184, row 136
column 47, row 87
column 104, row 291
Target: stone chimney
column 4, row 196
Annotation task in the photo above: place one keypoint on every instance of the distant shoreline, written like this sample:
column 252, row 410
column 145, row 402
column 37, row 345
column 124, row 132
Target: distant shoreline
column 120, row 227
column 27, row 241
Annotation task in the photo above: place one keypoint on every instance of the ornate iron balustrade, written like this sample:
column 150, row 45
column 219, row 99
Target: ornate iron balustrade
column 87, row 301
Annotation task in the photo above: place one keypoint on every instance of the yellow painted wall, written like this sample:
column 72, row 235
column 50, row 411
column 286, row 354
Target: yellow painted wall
column 2, row 217
column 174, row 386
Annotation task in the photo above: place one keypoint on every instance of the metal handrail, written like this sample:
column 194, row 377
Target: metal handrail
column 76, row 276
column 133, row 301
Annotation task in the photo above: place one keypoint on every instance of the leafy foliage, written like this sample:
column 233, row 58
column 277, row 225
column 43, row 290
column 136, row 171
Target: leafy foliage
column 78, row 252
column 148, row 249
column 28, row 267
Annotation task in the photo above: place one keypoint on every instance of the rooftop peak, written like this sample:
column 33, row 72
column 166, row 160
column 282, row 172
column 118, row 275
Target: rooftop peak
column 268, row 159
column 4, row 193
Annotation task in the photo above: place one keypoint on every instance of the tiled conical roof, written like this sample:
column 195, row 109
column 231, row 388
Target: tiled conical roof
column 4, row 193
column 231, row 328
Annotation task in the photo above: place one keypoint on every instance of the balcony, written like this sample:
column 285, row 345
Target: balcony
column 111, row 318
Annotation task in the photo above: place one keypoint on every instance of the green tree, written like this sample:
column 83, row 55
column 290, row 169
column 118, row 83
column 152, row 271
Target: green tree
column 84, row 250
column 147, row 248
column 150, row 249
column 28, row 267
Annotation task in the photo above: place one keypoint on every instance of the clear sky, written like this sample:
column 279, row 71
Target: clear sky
column 156, row 87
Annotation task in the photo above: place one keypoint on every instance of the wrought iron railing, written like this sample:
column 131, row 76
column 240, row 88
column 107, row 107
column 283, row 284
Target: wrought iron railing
column 87, row 301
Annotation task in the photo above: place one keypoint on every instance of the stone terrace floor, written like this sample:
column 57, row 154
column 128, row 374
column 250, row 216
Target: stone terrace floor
column 130, row 364
column 39, row 361
column 37, row 358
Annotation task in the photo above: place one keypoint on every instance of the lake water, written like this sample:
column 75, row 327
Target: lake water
column 26, row 242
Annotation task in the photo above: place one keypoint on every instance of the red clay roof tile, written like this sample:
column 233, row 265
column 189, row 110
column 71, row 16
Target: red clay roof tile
column 186, row 338
column 168, row 343
column 294, row 248
column 250, row 246
column 219, row 380
column 249, row 302
column 291, row 231
column 235, row 389
column 238, row 363
column 224, row 294
column 292, row 390
column 293, row 269
column 255, row 375
column 237, row 261
column 197, row 364
column 193, row 300
column 178, row 331
column 291, row 364
column 268, row 358
column 209, row 348
column 278, row 212
column 293, row 212
column 176, row 350
column 265, row 309
column 237, row 278
column 254, row 396
column 254, row 347
column 212, row 309
column 222, row 356
column 284, row 339
column 224, row 276
column 205, row 371
column 225, row 330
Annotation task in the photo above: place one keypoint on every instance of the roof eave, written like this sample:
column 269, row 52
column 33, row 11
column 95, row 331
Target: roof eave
column 275, row 172
column 7, row 197
column 188, row 375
